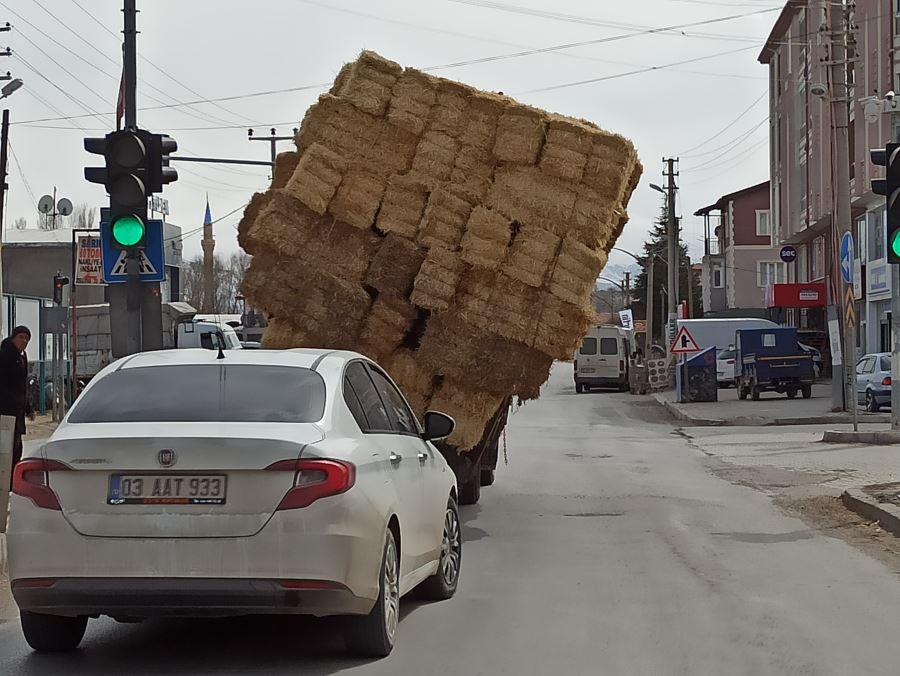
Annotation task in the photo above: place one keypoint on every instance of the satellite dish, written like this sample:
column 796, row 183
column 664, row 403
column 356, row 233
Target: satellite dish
column 64, row 206
column 45, row 204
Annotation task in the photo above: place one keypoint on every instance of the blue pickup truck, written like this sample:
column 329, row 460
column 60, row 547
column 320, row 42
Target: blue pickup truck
column 771, row 359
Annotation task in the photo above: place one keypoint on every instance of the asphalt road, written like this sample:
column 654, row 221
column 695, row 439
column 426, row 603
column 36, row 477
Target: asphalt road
column 605, row 547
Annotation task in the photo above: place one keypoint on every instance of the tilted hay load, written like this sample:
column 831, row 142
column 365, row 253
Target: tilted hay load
column 452, row 234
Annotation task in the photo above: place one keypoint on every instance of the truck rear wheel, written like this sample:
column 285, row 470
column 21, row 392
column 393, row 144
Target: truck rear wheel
column 791, row 392
column 807, row 391
column 487, row 477
column 579, row 388
column 754, row 391
column 470, row 490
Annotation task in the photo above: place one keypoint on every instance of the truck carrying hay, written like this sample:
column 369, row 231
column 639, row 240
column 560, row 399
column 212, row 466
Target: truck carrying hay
column 416, row 210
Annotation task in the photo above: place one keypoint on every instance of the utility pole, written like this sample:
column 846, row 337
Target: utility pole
column 690, row 289
column 842, row 221
column 4, row 139
column 648, row 340
column 272, row 140
column 672, row 233
column 627, row 299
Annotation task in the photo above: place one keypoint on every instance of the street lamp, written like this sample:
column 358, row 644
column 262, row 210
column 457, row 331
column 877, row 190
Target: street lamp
column 10, row 87
column 658, row 189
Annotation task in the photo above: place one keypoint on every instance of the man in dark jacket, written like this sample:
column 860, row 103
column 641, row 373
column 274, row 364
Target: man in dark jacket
column 14, row 399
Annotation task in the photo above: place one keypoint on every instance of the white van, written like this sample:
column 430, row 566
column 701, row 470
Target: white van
column 602, row 359
column 207, row 334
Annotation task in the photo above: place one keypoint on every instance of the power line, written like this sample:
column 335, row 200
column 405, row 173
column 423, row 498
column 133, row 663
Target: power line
column 15, row 158
column 728, row 126
column 728, row 147
column 92, row 113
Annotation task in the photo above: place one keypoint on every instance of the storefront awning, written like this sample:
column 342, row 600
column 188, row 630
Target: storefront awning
column 796, row 295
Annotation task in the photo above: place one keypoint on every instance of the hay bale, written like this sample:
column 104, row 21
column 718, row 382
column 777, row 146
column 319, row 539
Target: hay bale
column 385, row 327
column 565, row 153
column 473, row 299
column 512, row 307
column 481, row 127
column 530, row 255
column 444, row 220
column 358, row 197
column 435, row 156
column 560, row 327
column 251, row 212
column 395, row 266
column 527, row 195
column 392, row 152
column 575, row 272
column 592, row 218
column 610, row 167
column 283, row 225
column 451, row 110
column 486, row 239
column 280, row 334
column 407, row 370
column 473, row 172
column 520, row 135
column 470, row 408
column 483, row 360
column 403, row 206
column 339, row 126
column 285, row 164
column 414, row 95
column 316, row 178
column 435, row 285
column 367, row 84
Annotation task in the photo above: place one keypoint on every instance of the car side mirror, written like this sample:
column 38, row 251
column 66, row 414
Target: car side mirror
column 438, row 426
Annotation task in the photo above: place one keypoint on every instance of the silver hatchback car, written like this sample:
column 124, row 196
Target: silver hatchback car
column 873, row 381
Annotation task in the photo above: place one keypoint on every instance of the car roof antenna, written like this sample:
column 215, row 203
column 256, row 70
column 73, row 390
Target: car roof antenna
column 221, row 354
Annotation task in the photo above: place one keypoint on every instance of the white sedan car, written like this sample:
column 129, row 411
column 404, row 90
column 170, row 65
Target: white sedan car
column 281, row 482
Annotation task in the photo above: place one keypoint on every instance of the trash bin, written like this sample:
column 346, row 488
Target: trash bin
column 698, row 377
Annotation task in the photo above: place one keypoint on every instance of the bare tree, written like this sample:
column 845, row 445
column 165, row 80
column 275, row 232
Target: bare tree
column 20, row 223
column 228, row 274
column 82, row 216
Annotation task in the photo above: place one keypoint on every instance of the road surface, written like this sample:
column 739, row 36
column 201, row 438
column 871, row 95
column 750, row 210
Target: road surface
column 607, row 546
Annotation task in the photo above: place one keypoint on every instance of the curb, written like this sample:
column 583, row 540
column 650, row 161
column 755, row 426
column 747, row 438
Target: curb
column 4, row 568
column 887, row 516
column 687, row 417
column 878, row 438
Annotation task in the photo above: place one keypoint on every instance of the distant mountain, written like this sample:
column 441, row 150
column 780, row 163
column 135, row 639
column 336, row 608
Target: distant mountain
column 616, row 271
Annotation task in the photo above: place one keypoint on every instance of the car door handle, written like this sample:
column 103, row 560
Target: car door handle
column 395, row 459
column 422, row 456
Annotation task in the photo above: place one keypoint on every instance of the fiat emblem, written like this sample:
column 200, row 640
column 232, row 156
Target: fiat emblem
column 166, row 457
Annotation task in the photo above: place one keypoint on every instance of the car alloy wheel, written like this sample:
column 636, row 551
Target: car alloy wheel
column 391, row 584
column 451, row 548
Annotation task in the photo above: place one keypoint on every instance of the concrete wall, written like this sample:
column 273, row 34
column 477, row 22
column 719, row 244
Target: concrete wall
column 28, row 271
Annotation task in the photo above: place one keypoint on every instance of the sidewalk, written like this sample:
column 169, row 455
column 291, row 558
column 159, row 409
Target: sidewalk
column 771, row 409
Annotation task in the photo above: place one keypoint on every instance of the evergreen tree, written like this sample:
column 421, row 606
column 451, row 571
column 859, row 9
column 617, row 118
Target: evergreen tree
column 656, row 253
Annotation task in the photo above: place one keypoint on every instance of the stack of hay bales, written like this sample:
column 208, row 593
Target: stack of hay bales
column 452, row 235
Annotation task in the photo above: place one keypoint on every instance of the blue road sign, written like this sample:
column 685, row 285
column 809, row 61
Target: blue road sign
column 788, row 253
column 152, row 259
column 847, row 258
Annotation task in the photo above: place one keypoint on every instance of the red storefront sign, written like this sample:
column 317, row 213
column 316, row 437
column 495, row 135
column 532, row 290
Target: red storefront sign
column 796, row 295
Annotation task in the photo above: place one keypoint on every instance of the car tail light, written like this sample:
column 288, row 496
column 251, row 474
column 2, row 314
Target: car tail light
column 34, row 583
column 621, row 366
column 886, row 382
column 730, row 361
column 31, row 479
column 314, row 479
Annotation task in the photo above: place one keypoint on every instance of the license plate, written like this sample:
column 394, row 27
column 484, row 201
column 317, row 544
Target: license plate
column 587, row 370
column 166, row 489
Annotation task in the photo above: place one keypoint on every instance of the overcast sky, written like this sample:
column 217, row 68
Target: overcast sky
column 711, row 112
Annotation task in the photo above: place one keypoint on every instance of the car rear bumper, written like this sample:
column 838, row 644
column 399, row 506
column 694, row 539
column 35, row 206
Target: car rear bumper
column 184, row 597
column 598, row 381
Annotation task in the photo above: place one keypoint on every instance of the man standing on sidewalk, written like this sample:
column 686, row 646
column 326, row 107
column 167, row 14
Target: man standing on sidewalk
column 14, row 400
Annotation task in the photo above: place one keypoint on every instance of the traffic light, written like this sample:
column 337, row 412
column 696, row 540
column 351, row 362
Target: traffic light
column 58, row 283
column 158, row 170
column 126, row 177
column 889, row 158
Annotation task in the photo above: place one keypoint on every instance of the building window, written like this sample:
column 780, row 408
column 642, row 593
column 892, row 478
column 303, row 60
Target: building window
column 763, row 223
column 717, row 278
column 769, row 272
column 818, row 259
column 877, row 237
column 861, row 239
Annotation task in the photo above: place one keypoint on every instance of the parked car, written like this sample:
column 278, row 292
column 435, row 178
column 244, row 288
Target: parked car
column 603, row 359
column 873, row 381
column 178, row 485
column 725, row 371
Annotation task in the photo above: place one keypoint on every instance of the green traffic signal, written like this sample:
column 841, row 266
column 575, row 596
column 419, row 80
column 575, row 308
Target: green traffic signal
column 895, row 243
column 128, row 231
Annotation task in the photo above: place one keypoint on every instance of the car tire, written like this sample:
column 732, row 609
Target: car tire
column 442, row 585
column 487, row 477
column 872, row 405
column 470, row 491
column 807, row 391
column 741, row 390
column 754, row 391
column 52, row 633
column 579, row 388
column 791, row 392
column 373, row 635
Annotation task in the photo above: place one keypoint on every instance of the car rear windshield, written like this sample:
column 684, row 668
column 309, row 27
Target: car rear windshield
column 609, row 346
column 885, row 363
column 726, row 354
column 204, row 393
